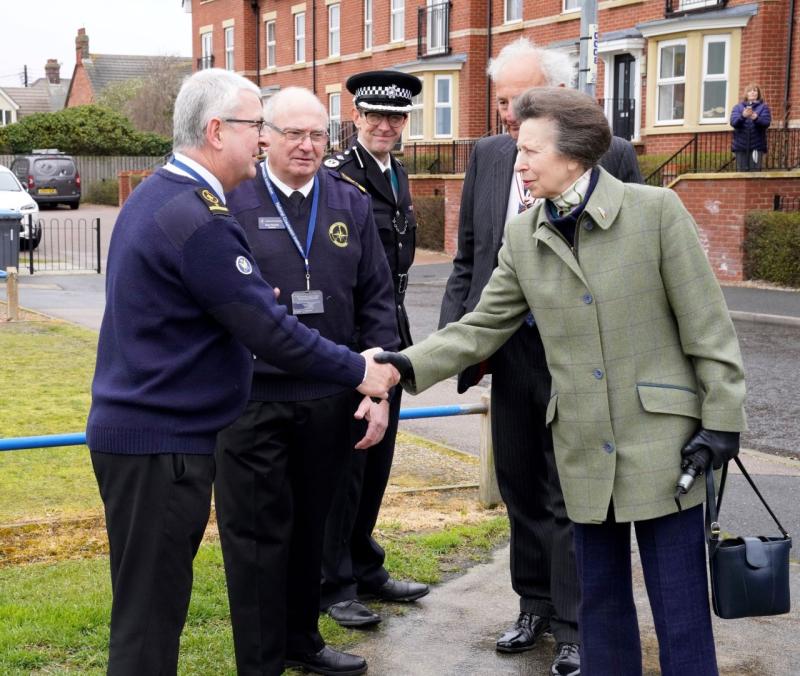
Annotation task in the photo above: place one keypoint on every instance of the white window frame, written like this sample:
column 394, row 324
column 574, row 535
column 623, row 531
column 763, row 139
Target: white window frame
column 334, row 29
column 436, row 37
column 5, row 117
column 229, row 53
column 368, row 25
column 417, row 113
column 397, row 20
column 696, row 4
column 300, row 37
column 272, row 50
column 717, row 77
column 442, row 105
column 206, row 47
column 670, row 80
column 573, row 6
column 334, row 118
column 509, row 5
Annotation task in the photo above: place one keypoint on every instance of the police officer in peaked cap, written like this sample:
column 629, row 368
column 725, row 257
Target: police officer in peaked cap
column 352, row 568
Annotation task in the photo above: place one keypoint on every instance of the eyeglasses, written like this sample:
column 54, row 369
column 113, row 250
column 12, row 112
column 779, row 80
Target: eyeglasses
column 395, row 119
column 318, row 136
column 258, row 124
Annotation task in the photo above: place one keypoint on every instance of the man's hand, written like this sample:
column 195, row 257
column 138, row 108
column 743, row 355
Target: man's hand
column 722, row 446
column 399, row 361
column 380, row 377
column 377, row 416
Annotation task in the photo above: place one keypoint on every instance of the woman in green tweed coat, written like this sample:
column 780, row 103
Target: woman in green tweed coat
column 645, row 364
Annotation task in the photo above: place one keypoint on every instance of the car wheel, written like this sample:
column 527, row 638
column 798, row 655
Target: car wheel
column 24, row 243
column 74, row 205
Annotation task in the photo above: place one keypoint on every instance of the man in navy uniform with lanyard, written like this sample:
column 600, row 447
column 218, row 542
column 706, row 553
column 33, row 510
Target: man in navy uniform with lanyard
column 314, row 238
column 352, row 560
column 186, row 308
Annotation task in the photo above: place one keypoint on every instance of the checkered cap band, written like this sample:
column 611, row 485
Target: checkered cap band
column 392, row 91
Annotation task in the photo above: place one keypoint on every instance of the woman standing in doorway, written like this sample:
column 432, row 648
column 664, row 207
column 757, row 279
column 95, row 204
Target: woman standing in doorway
column 750, row 119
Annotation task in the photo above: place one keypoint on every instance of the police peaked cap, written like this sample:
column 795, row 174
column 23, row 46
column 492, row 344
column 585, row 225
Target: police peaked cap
column 387, row 91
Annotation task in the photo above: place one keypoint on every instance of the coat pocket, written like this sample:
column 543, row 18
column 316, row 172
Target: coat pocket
column 552, row 409
column 669, row 399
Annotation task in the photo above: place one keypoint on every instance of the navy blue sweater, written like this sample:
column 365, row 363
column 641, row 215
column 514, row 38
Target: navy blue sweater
column 347, row 263
column 186, row 306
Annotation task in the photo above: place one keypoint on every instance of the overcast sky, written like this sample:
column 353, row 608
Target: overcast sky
column 37, row 30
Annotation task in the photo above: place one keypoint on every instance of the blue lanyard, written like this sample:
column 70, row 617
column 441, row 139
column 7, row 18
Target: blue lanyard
column 312, row 221
column 197, row 177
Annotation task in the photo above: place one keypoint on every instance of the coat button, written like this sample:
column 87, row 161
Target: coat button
column 608, row 447
column 587, row 298
column 587, row 224
column 597, row 373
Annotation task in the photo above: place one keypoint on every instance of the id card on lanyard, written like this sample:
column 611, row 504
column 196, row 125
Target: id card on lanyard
column 310, row 301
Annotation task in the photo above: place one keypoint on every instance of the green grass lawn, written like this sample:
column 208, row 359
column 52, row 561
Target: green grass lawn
column 45, row 388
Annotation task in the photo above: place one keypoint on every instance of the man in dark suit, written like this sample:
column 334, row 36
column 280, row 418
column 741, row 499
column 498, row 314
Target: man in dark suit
column 352, row 563
column 542, row 558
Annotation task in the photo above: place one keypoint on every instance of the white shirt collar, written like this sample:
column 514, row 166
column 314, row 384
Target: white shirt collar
column 212, row 180
column 383, row 166
column 285, row 189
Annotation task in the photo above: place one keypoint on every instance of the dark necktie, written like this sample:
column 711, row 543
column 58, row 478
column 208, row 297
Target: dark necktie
column 388, row 174
column 296, row 198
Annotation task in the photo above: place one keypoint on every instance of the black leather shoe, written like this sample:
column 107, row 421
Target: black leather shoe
column 524, row 634
column 398, row 590
column 353, row 614
column 567, row 661
column 328, row 661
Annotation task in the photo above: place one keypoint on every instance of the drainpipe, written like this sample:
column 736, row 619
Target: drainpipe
column 314, row 46
column 489, row 106
column 787, row 88
column 257, row 12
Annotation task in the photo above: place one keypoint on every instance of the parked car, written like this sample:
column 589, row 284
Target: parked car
column 51, row 177
column 14, row 196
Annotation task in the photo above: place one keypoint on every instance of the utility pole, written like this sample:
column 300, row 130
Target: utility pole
column 25, row 76
column 587, row 64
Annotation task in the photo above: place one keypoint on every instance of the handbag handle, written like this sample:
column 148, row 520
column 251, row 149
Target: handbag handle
column 713, row 505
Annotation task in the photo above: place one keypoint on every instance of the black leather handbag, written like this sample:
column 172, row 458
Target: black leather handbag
column 749, row 575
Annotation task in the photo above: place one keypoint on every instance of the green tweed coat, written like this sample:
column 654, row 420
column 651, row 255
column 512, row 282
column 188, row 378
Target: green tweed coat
column 639, row 343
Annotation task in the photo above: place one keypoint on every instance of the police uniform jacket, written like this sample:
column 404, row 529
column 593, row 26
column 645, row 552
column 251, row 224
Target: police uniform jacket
column 638, row 338
column 394, row 218
column 347, row 265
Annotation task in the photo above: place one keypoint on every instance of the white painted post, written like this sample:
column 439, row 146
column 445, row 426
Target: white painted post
column 488, row 492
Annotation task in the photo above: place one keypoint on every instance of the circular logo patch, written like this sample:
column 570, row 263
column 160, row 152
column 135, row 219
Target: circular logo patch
column 210, row 197
column 331, row 162
column 338, row 233
column 244, row 266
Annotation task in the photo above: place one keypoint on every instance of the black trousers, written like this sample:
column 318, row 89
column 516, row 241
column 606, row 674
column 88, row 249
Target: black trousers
column 352, row 560
column 277, row 468
column 156, row 509
column 543, row 569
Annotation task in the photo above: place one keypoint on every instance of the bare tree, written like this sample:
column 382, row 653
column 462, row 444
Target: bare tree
column 148, row 100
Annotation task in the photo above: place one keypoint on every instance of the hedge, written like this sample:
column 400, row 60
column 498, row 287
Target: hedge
column 772, row 247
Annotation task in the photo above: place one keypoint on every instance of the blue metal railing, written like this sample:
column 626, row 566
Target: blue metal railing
column 79, row 438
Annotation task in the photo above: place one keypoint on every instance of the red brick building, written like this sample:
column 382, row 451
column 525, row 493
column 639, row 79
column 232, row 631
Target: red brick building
column 666, row 69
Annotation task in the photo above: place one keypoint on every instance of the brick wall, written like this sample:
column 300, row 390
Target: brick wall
column 450, row 187
column 719, row 203
column 80, row 89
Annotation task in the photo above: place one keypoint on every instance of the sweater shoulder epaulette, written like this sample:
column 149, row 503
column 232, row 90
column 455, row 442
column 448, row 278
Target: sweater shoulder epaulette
column 211, row 201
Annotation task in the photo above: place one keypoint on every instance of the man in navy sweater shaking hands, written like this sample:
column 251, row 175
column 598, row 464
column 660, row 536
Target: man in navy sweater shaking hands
column 186, row 310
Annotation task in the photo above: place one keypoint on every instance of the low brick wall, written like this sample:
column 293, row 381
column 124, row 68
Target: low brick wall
column 126, row 183
column 719, row 202
column 448, row 185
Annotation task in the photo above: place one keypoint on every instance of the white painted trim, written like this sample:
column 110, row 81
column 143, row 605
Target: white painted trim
column 688, row 24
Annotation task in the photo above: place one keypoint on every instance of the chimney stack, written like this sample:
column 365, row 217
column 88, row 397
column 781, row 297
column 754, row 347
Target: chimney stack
column 81, row 46
column 52, row 70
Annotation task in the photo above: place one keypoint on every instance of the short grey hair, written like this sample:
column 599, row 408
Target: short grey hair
column 581, row 126
column 293, row 95
column 557, row 67
column 206, row 94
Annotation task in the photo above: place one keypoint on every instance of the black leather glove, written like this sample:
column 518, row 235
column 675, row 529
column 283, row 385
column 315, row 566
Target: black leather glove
column 399, row 361
column 722, row 446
